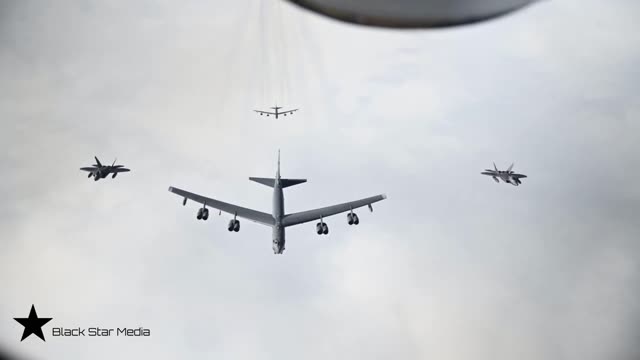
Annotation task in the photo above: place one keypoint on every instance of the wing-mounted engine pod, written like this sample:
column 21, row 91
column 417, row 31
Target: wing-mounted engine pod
column 413, row 14
column 322, row 228
column 234, row 224
column 352, row 218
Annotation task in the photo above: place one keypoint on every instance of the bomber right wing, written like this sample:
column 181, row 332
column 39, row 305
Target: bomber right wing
column 249, row 214
column 287, row 112
column 317, row 214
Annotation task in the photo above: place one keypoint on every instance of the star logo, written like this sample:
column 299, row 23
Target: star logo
column 32, row 324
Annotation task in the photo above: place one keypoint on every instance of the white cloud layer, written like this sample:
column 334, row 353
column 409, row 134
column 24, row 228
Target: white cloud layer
column 451, row 266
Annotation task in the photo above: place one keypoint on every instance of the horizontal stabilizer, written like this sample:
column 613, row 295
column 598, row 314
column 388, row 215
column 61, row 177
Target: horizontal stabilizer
column 284, row 182
column 264, row 181
column 291, row 182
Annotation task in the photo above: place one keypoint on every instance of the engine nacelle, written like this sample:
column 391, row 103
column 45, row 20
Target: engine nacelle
column 322, row 228
column 234, row 225
column 496, row 179
column 114, row 175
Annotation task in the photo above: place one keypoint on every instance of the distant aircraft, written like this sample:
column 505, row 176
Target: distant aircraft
column 507, row 176
column 276, row 108
column 278, row 220
column 413, row 14
column 99, row 171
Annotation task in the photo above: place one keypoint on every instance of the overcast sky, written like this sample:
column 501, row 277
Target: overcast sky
column 451, row 266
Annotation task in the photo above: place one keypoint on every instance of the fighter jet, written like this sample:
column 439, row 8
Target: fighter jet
column 277, row 219
column 507, row 176
column 413, row 14
column 276, row 113
column 99, row 171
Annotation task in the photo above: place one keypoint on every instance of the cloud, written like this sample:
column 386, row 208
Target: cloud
column 450, row 266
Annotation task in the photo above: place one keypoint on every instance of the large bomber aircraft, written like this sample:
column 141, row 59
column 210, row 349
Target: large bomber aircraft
column 99, row 171
column 507, row 176
column 278, row 220
column 413, row 14
column 276, row 113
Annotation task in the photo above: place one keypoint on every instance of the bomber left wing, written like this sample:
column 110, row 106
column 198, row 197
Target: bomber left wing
column 264, row 112
column 249, row 214
column 316, row 214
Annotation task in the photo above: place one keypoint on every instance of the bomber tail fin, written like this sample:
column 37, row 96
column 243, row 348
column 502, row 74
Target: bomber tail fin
column 271, row 182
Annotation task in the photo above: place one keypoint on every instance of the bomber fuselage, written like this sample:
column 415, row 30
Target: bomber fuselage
column 278, row 214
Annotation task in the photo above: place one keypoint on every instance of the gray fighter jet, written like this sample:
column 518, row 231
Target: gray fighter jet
column 99, row 171
column 277, row 219
column 507, row 176
column 276, row 113
column 416, row 14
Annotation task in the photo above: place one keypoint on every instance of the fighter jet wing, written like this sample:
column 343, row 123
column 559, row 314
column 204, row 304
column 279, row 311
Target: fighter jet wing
column 518, row 176
column 118, row 170
column 316, row 214
column 88, row 169
column 488, row 173
column 253, row 215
